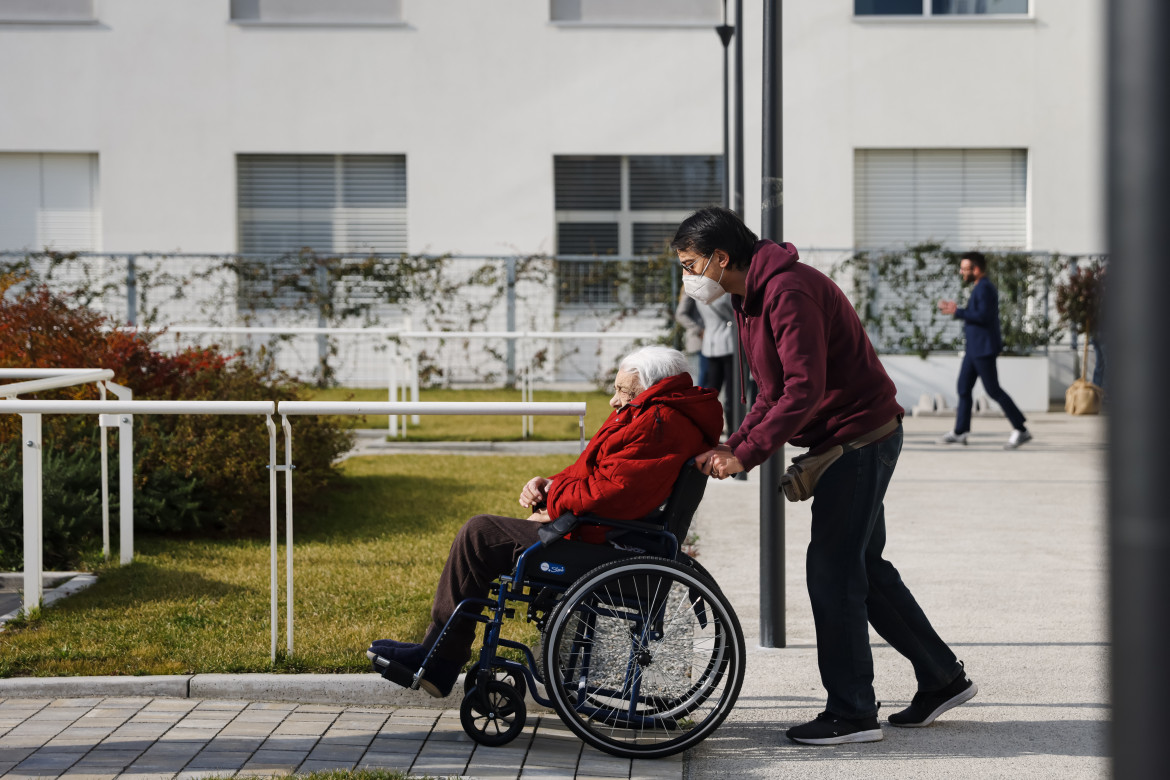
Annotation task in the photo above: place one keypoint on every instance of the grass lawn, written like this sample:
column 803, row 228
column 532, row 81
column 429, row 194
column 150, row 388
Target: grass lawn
column 468, row 428
column 366, row 568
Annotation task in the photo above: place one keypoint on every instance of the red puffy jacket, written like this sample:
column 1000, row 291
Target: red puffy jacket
column 632, row 461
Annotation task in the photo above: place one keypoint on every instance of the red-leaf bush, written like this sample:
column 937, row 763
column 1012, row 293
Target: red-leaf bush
column 201, row 474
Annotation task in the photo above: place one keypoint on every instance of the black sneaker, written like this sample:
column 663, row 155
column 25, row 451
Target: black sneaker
column 828, row 729
column 928, row 705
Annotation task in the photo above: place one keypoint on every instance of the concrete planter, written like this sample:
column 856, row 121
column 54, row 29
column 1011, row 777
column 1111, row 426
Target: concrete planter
column 1026, row 379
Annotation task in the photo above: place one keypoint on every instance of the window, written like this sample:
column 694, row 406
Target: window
column 329, row 203
column 49, row 201
column 46, row 11
column 626, row 206
column 963, row 198
column 637, row 12
column 939, row 7
column 316, row 12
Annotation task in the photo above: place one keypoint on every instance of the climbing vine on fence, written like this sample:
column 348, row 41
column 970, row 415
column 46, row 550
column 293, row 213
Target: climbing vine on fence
column 307, row 288
column 896, row 295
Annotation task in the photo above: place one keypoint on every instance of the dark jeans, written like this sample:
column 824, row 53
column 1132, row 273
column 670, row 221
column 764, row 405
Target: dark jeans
column 850, row 585
column 714, row 373
column 485, row 547
column 983, row 368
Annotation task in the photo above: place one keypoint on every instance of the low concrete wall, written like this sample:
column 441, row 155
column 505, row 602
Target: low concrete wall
column 1026, row 379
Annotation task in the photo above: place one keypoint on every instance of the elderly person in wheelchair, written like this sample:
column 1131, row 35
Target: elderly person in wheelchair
column 660, row 421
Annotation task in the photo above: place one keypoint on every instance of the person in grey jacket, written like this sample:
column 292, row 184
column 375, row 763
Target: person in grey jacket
column 715, row 323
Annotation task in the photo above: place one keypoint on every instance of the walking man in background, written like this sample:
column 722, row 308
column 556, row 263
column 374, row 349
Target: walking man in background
column 981, row 328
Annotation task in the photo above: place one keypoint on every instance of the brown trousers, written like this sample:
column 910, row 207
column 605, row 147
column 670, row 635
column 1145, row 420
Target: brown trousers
column 485, row 547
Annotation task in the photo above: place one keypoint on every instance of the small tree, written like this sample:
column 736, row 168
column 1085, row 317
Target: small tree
column 1078, row 302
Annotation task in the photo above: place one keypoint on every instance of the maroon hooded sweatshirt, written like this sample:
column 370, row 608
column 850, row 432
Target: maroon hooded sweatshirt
column 632, row 461
column 820, row 381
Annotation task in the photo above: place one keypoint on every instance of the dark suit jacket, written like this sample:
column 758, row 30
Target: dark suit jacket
column 981, row 320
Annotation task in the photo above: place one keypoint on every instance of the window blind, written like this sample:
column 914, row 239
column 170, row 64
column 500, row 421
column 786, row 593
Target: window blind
column 961, row 198
column 328, row 203
column 49, row 201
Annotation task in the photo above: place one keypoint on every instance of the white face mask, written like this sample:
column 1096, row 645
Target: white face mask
column 703, row 288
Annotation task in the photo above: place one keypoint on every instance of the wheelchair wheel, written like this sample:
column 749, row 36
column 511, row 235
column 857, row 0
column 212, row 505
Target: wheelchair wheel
column 495, row 718
column 505, row 676
column 644, row 657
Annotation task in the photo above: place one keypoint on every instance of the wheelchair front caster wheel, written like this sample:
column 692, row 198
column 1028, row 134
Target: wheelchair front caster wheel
column 506, row 676
column 495, row 716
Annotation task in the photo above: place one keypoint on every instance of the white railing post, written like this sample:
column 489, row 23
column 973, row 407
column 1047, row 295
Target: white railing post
column 272, row 522
column 413, row 369
column 392, row 395
column 33, row 511
column 125, row 488
column 125, row 475
column 288, row 528
column 103, row 423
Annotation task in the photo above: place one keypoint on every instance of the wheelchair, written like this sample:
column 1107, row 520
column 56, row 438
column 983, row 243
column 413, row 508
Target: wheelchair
column 641, row 654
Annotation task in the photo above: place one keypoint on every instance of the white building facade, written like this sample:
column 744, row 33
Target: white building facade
column 403, row 125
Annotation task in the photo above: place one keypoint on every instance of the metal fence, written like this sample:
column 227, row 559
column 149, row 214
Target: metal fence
column 369, row 303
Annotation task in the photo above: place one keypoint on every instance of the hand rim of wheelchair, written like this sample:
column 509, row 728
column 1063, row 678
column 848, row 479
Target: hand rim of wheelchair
column 595, row 715
column 479, row 713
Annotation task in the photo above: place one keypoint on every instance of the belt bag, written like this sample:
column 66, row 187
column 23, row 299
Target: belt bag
column 801, row 478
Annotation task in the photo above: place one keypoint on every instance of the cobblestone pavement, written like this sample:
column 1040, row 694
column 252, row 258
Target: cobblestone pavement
column 159, row 739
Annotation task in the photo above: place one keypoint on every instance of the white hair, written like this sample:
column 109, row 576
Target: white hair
column 653, row 364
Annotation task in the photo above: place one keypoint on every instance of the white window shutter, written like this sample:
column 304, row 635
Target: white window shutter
column 327, row 203
column 961, row 198
column 49, row 201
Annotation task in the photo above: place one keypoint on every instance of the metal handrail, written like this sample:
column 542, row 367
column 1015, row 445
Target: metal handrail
column 32, row 410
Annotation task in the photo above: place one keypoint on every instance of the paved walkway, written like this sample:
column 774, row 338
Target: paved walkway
column 1005, row 551
column 148, row 738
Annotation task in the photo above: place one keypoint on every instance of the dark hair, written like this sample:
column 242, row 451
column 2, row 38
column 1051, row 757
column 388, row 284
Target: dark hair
column 977, row 259
column 714, row 228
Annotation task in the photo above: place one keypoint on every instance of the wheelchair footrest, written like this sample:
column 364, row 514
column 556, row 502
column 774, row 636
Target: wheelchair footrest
column 397, row 673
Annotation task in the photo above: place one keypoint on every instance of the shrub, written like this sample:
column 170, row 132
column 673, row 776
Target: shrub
column 193, row 473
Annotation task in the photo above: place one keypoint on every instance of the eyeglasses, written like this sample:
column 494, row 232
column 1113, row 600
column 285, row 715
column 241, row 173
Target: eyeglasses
column 688, row 266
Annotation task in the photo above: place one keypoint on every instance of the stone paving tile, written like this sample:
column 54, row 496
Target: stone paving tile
column 290, row 742
column 68, row 745
column 234, row 744
column 12, row 742
column 49, row 760
column 62, row 712
column 222, row 704
column 170, row 705
column 395, row 762
column 382, row 744
column 276, row 759
column 336, row 736
column 143, row 774
column 340, row 753
column 25, row 704
column 223, row 761
column 542, row 773
column 109, row 758
column 14, row 754
column 92, row 701
column 309, row 729
column 404, row 731
column 282, row 706
column 200, row 774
